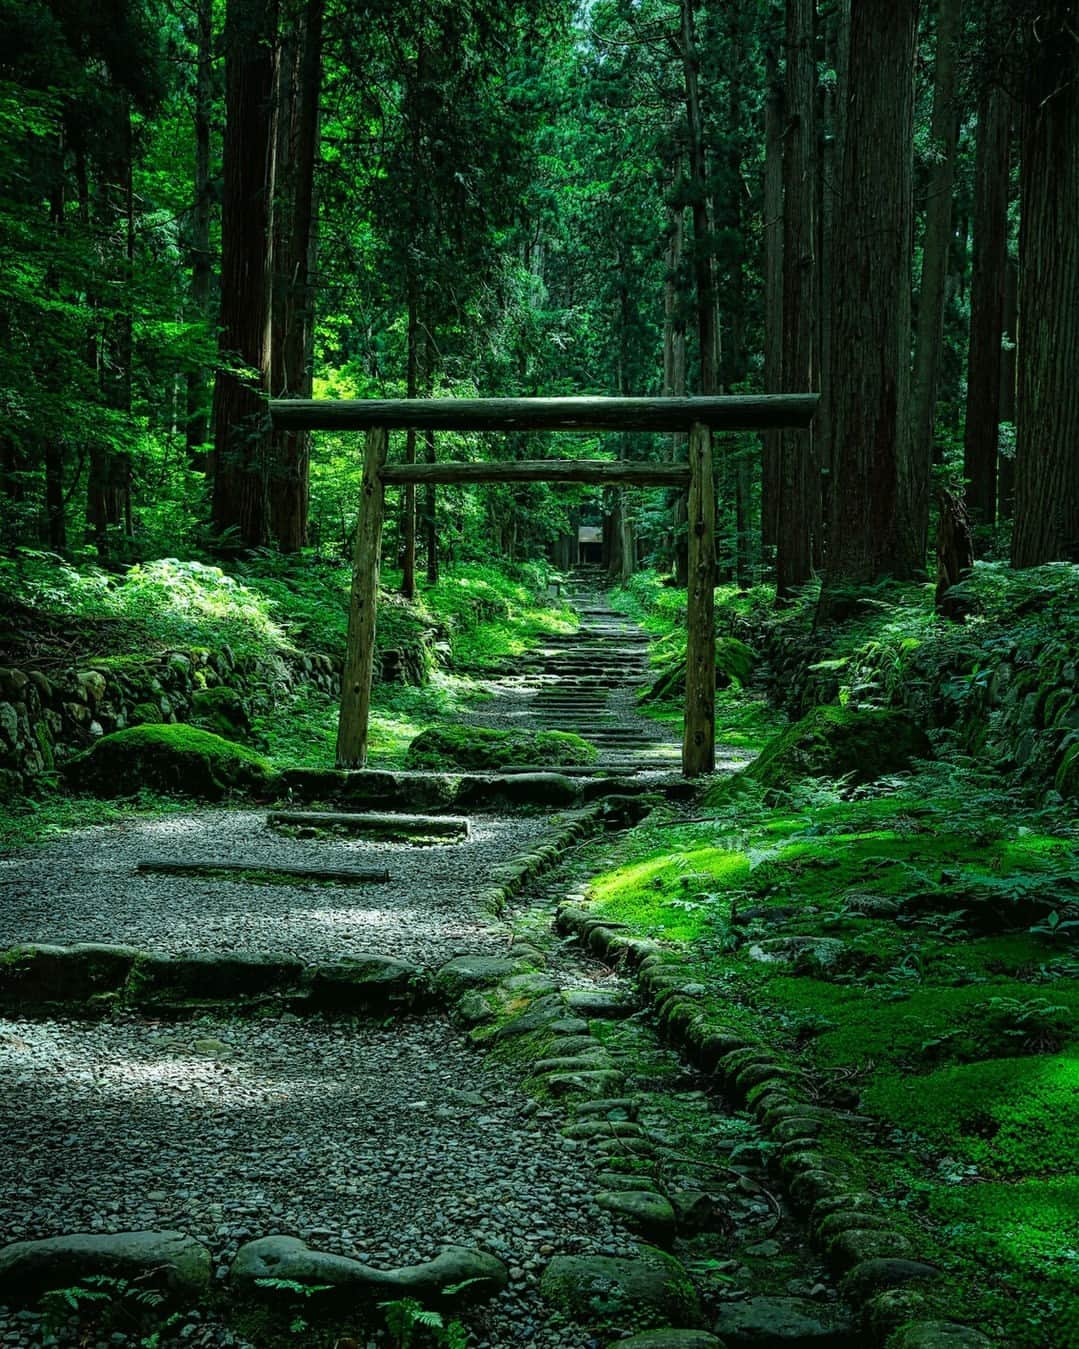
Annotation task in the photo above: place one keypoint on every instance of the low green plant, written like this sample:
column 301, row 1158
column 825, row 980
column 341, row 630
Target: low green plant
column 407, row 1318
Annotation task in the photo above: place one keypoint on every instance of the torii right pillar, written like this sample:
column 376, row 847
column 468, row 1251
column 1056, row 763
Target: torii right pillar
column 699, row 738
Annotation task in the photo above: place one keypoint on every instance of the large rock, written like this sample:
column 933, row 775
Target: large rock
column 462, row 973
column 36, row 974
column 652, row 1290
column 874, row 1275
column 551, row 790
column 364, row 983
column 210, row 977
column 175, row 759
column 836, row 742
column 175, row 1264
column 649, row 1214
column 457, row 1276
column 779, row 1322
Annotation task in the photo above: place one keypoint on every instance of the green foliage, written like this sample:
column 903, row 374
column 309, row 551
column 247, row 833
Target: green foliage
column 476, row 748
column 406, row 1318
column 105, row 1303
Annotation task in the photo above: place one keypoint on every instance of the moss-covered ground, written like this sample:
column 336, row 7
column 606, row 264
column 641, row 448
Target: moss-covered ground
column 908, row 945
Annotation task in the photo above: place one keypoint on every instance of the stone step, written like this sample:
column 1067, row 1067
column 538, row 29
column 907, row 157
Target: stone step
column 258, row 868
column 372, row 825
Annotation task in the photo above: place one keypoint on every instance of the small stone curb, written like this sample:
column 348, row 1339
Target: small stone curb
column 851, row 1227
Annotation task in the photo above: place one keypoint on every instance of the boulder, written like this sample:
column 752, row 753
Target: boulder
column 772, row 1322
column 650, row 1291
column 649, row 1214
column 457, row 1276
column 175, row 759
column 874, row 1275
column 37, row 973
column 173, row 1263
column 938, row 1335
column 836, row 742
column 552, row 790
column 365, row 983
column 669, row 1338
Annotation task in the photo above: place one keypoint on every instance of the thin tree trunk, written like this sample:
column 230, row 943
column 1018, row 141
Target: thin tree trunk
column 936, row 255
column 799, row 495
column 1009, row 374
column 198, row 423
column 985, row 357
column 870, row 536
column 408, row 566
column 1047, row 422
column 773, row 293
column 241, row 429
column 674, row 371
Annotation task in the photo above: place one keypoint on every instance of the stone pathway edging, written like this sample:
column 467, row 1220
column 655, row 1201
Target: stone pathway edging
column 881, row 1272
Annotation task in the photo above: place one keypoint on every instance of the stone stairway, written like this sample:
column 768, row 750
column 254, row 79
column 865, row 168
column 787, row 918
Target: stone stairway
column 587, row 682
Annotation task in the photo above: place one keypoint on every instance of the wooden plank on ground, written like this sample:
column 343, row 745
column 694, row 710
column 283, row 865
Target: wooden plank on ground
column 753, row 412
column 379, row 826
column 258, row 868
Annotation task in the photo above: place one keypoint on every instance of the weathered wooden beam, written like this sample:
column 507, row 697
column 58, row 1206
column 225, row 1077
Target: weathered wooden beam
column 375, row 825
column 360, row 651
column 540, row 470
column 259, row 868
column 752, row 412
column 699, row 738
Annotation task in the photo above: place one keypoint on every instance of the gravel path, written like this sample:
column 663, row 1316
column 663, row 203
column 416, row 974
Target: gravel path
column 382, row 1144
column 86, row 889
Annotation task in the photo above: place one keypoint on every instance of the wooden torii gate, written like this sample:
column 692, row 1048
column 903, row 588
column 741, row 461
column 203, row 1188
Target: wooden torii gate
column 699, row 417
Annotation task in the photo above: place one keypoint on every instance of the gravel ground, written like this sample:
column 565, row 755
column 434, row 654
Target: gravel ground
column 86, row 889
column 382, row 1144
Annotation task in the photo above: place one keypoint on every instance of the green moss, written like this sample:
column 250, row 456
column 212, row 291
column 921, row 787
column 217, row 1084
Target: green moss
column 146, row 714
column 1009, row 1118
column 176, row 759
column 836, row 742
column 659, row 894
column 43, row 736
column 476, row 748
column 1067, row 777
column 734, row 664
column 222, row 710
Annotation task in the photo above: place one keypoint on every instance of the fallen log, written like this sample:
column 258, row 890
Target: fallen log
column 378, row 826
column 255, row 870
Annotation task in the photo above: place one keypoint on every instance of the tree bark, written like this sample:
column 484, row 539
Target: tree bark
column 773, row 293
column 990, row 268
column 870, row 534
column 799, row 487
column 703, row 268
column 1047, row 426
column 295, row 259
column 430, row 518
column 936, row 256
column 198, row 423
column 1009, row 375
column 241, row 428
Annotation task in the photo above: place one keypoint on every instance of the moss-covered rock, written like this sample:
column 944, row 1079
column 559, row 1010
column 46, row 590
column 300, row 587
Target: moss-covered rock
column 480, row 747
column 734, row 664
column 146, row 714
column 221, row 710
column 839, row 742
column 176, row 759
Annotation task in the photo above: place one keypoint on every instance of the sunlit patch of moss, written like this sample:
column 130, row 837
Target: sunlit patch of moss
column 1009, row 1118
column 1022, row 1237
column 658, row 894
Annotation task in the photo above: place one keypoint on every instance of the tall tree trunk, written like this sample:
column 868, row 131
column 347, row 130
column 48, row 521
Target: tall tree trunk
column 936, row 255
column 674, row 370
column 703, row 267
column 984, row 367
column 55, row 531
column 1009, row 374
column 408, row 565
column 295, row 256
column 799, row 494
column 1047, row 426
column 773, row 292
column 430, row 519
column 198, row 423
column 870, row 536
column 241, row 431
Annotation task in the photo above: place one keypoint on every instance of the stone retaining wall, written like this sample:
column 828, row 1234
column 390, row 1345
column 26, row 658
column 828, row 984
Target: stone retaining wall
column 45, row 719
